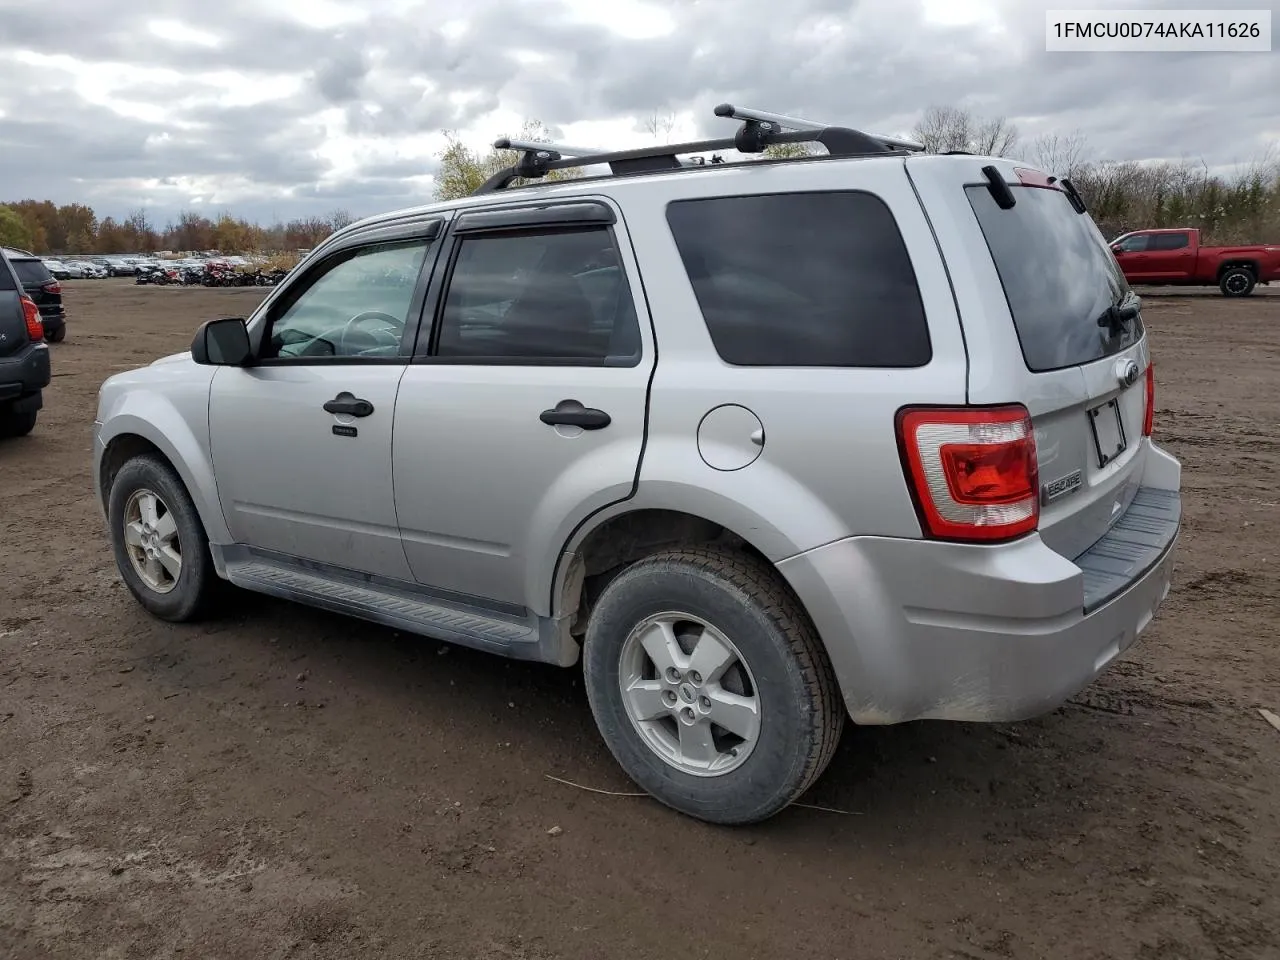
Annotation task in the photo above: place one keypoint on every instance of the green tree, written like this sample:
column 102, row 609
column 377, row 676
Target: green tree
column 14, row 231
column 463, row 170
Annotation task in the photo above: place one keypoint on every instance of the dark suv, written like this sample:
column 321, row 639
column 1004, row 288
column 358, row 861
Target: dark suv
column 44, row 289
column 24, row 356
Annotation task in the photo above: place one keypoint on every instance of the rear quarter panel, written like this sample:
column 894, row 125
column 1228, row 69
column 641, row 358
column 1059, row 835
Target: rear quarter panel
column 829, row 466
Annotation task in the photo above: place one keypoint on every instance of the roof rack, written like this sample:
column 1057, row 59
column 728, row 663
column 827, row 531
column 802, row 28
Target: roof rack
column 759, row 131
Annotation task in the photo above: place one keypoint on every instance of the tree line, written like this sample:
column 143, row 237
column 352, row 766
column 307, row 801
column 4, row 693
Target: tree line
column 74, row 228
column 1123, row 195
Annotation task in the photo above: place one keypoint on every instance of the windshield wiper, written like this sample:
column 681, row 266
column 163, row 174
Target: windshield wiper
column 1117, row 317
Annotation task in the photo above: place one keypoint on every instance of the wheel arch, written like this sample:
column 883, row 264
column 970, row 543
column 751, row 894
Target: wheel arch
column 1232, row 264
column 614, row 538
column 167, row 436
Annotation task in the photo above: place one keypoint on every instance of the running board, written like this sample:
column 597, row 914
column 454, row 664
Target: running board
column 399, row 606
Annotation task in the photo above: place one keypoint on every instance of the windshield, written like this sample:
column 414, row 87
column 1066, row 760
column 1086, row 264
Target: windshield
column 1059, row 276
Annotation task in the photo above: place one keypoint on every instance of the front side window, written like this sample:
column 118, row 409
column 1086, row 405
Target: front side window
column 803, row 280
column 1133, row 244
column 357, row 307
column 542, row 296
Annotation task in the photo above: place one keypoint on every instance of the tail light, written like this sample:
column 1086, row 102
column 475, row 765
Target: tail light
column 31, row 314
column 973, row 470
column 1149, row 415
column 53, row 286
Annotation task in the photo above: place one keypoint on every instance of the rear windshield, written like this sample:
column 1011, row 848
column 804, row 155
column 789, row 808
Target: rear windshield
column 1059, row 278
column 32, row 273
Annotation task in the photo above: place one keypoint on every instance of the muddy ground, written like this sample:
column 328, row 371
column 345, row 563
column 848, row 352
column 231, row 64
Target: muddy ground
column 282, row 783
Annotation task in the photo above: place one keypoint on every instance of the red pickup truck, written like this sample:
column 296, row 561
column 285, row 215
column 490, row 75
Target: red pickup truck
column 1174, row 257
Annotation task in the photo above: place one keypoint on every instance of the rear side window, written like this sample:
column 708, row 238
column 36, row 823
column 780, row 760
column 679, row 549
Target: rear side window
column 6, row 277
column 32, row 273
column 1059, row 277
column 802, row 280
column 1169, row 241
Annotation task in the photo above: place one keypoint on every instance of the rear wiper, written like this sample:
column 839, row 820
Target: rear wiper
column 1117, row 317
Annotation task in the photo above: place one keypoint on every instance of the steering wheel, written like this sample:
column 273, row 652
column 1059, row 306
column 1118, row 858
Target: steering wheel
column 386, row 337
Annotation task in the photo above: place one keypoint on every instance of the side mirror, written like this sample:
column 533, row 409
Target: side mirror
column 222, row 343
column 1117, row 249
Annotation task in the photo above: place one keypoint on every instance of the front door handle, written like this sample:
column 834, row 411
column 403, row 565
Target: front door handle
column 348, row 404
column 588, row 418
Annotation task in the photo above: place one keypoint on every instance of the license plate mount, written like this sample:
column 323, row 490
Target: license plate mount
column 1109, row 440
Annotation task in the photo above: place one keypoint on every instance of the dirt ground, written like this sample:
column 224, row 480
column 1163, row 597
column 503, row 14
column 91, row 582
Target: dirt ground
column 282, row 783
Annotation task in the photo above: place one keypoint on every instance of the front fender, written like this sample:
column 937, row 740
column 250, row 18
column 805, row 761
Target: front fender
column 176, row 420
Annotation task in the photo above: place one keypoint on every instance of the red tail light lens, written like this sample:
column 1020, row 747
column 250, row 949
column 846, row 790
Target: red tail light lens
column 1149, row 416
column 53, row 286
column 31, row 314
column 973, row 471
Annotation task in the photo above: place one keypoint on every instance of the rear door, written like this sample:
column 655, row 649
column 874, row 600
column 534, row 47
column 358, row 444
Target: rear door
column 1170, row 256
column 524, row 410
column 1039, row 292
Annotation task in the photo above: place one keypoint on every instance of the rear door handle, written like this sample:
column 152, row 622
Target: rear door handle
column 588, row 419
column 348, row 404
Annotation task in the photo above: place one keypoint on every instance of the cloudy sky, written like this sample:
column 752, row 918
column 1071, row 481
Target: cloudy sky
column 278, row 108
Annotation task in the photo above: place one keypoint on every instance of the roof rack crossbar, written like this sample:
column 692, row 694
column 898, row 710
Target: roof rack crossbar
column 759, row 131
column 749, row 115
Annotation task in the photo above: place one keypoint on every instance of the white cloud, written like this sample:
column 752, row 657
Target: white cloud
column 288, row 104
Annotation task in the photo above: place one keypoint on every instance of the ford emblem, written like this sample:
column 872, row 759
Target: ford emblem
column 1127, row 372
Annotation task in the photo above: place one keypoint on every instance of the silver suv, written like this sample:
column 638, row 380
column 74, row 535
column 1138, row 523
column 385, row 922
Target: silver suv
column 763, row 444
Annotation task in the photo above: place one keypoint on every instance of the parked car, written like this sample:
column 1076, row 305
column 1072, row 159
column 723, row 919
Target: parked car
column 1174, row 257
column 24, row 356
column 863, row 435
column 44, row 289
column 57, row 268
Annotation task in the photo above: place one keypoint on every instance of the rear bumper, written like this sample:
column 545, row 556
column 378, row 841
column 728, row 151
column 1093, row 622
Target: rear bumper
column 24, row 373
column 918, row 629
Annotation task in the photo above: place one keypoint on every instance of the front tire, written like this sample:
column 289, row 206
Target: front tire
column 710, row 686
column 1237, row 282
column 159, row 542
column 57, row 336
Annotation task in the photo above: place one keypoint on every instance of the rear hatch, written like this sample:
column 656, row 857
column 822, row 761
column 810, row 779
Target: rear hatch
column 39, row 284
column 1067, row 340
column 13, row 323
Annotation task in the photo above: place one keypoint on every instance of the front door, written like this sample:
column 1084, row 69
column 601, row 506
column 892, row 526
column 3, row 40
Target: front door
column 1131, row 254
column 525, row 411
column 301, row 440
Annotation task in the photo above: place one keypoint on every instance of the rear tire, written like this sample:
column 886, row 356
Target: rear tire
column 1237, row 282
column 14, row 424
column 159, row 542
column 661, row 720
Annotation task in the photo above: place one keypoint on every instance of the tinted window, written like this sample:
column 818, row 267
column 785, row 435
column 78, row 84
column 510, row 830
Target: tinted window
column 1134, row 244
column 1059, row 277
column 552, row 295
column 6, row 277
column 802, row 280
column 1168, row 241
column 32, row 273
column 356, row 307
